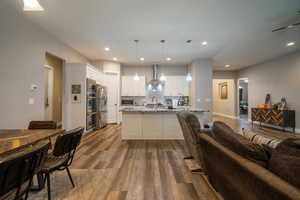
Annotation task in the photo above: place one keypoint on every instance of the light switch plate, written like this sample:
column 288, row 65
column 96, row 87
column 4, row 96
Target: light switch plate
column 31, row 101
column 33, row 87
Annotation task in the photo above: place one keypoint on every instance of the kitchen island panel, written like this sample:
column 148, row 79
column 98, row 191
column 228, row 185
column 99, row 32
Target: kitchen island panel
column 152, row 126
column 132, row 126
column 171, row 126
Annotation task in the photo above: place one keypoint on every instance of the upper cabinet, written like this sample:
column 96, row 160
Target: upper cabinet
column 131, row 87
column 111, row 68
column 176, row 86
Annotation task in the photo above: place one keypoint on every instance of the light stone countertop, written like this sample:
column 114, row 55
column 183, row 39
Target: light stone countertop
column 144, row 109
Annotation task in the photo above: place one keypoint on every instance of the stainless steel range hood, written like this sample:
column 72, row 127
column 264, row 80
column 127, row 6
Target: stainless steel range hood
column 155, row 83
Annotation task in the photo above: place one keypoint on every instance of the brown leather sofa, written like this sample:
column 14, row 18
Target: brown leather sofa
column 238, row 178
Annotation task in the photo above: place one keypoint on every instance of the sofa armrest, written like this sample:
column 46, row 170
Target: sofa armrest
column 206, row 131
column 238, row 178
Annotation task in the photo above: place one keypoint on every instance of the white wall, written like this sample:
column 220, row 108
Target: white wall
column 201, row 85
column 75, row 115
column 280, row 78
column 22, row 56
column 228, row 110
column 146, row 70
column 224, row 107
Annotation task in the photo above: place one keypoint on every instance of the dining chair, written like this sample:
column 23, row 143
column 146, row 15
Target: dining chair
column 42, row 125
column 62, row 156
column 18, row 168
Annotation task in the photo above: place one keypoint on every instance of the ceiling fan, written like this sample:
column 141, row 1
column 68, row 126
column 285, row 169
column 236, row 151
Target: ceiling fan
column 290, row 24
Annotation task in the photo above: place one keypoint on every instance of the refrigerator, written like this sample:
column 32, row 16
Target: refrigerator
column 91, row 104
column 101, row 117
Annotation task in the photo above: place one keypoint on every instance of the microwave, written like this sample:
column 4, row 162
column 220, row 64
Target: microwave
column 127, row 101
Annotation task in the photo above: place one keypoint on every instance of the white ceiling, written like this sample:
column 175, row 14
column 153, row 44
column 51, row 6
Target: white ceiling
column 238, row 32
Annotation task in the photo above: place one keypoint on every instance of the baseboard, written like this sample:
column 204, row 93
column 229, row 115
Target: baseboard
column 273, row 126
column 224, row 115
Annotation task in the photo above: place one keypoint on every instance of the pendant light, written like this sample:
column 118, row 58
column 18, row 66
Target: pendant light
column 188, row 77
column 162, row 76
column 136, row 76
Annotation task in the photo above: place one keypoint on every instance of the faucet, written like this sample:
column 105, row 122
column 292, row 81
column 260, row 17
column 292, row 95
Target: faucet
column 180, row 99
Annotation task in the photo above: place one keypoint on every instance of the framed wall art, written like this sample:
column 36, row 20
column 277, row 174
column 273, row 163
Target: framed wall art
column 223, row 89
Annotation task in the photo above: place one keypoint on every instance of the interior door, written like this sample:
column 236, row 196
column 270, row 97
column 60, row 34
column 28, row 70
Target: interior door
column 48, row 96
column 112, row 86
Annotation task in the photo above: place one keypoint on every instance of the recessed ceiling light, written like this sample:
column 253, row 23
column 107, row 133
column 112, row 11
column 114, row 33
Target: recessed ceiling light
column 227, row 66
column 106, row 49
column 115, row 59
column 32, row 5
column 290, row 44
column 142, row 59
column 168, row 59
column 204, row 43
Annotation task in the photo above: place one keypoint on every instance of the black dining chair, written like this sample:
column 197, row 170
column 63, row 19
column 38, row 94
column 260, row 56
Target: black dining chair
column 62, row 156
column 18, row 168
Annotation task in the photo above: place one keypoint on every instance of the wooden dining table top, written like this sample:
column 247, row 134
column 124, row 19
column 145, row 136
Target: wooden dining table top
column 11, row 140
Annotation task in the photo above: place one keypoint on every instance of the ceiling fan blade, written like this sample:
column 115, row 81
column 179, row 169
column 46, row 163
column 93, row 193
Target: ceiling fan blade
column 279, row 29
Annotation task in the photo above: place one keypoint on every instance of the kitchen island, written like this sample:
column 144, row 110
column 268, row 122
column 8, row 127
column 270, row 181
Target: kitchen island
column 155, row 123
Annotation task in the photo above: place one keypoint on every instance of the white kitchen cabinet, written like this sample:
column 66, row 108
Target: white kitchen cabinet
column 131, row 87
column 176, row 86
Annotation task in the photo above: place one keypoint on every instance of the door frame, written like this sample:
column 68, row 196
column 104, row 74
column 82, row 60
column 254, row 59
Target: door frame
column 51, row 101
column 238, row 95
column 63, row 88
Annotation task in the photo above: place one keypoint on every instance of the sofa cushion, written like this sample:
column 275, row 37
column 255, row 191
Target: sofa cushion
column 260, row 139
column 239, row 144
column 285, row 161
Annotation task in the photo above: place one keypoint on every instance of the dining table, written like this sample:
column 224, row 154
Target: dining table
column 12, row 140
column 15, row 140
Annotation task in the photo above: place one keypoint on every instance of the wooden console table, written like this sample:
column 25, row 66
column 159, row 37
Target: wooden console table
column 282, row 118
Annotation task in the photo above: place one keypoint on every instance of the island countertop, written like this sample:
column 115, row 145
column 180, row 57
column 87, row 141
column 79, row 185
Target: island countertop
column 144, row 109
column 139, row 122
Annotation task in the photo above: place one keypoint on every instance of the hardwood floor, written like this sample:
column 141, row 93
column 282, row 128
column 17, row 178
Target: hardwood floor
column 238, row 124
column 105, row 167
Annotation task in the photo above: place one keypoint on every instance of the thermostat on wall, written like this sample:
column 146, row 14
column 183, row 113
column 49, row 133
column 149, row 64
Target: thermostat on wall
column 76, row 93
column 75, row 98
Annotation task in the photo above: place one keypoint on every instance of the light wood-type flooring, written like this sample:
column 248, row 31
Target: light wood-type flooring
column 107, row 168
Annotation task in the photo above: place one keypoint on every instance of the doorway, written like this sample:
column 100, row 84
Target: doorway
column 48, row 77
column 112, row 85
column 243, row 98
column 53, row 97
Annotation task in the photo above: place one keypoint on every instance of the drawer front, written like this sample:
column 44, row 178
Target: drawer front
column 277, row 117
column 255, row 114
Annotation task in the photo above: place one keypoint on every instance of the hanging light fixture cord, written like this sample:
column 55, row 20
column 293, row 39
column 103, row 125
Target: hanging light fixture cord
column 136, row 48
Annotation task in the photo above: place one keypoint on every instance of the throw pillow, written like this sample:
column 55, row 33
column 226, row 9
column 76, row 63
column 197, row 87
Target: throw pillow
column 239, row 144
column 257, row 138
